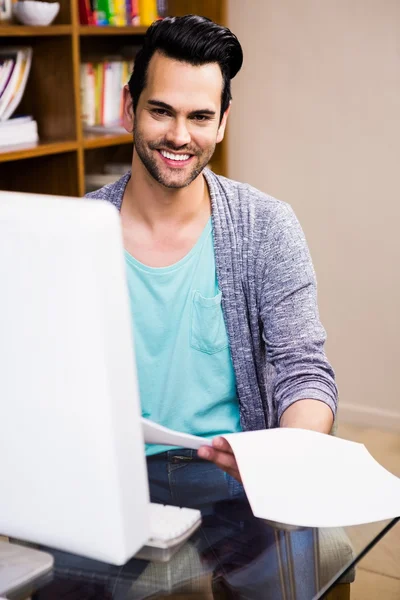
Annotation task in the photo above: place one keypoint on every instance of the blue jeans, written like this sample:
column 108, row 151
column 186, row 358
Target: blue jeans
column 245, row 556
column 180, row 478
column 249, row 555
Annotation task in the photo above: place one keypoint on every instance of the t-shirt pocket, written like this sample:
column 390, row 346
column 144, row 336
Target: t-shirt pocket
column 208, row 332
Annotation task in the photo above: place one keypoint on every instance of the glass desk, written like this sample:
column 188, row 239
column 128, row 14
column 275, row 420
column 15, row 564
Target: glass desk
column 233, row 555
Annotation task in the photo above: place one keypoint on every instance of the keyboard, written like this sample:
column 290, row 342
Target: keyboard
column 170, row 527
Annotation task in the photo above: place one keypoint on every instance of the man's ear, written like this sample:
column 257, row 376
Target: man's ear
column 128, row 115
column 221, row 128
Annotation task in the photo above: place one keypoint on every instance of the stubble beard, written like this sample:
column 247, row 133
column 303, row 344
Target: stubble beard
column 144, row 151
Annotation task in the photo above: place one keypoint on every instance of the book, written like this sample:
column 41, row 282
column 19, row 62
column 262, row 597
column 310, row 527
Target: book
column 120, row 13
column 6, row 67
column 128, row 11
column 17, row 131
column 88, row 94
column 86, row 16
column 117, row 168
column 15, row 121
column 111, row 93
column 133, row 13
column 14, row 87
column 162, row 8
column 148, row 12
column 97, row 180
column 99, row 92
column 105, row 129
column 105, row 12
column 93, row 8
column 101, row 87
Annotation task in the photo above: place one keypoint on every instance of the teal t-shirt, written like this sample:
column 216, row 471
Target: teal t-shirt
column 185, row 371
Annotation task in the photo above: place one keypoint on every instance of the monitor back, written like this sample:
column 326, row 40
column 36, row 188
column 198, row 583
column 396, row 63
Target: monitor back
column 72, row 463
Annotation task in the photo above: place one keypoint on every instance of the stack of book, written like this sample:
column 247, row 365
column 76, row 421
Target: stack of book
column 102, row 94
column 121, row 12
column 15, row 64
column 112, row 172
column 17, row 131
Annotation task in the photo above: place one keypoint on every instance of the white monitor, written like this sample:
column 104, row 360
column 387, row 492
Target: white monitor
column 72, row 463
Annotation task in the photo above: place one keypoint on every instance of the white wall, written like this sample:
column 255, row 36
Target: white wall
column 316, row 122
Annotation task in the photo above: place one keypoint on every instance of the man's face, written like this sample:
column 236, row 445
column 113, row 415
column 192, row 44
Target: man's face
column 177, row 120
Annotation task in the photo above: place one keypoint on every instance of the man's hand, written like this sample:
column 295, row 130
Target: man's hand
column 221, row 454
column 304, row 414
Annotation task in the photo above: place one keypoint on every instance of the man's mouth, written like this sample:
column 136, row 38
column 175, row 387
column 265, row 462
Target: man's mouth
column 174, row 158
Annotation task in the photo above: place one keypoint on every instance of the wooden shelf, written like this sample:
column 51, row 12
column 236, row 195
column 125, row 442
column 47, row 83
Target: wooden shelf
column 43, row 148
column 107, row 30
column 102, row 140
column 26, row 31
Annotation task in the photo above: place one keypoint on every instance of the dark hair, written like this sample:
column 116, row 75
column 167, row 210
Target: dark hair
column 193, row 39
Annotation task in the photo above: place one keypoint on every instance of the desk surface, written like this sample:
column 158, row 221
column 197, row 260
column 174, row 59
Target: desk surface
column 233, row 555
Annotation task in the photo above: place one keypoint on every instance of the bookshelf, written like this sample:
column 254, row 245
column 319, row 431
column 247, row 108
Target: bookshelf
column 58, row 164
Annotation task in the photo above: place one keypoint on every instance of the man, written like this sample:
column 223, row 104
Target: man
column 222, row 287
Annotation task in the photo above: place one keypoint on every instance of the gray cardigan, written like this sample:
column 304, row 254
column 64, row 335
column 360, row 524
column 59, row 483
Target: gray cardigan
column 269, row 300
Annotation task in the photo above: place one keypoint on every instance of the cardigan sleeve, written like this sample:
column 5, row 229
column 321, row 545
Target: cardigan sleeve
column 292, row 330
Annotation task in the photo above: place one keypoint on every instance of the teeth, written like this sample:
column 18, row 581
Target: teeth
column 174, row 156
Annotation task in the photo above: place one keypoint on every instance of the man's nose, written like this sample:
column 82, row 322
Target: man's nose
column 178, row 133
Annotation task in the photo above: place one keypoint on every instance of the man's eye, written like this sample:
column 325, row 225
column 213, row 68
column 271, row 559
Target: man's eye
column 160, row 112
column 201, row 118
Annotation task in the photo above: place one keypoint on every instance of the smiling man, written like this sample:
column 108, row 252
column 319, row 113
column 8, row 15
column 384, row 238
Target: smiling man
column 222, row 287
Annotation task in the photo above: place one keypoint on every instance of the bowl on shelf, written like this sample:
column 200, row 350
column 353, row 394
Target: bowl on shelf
column 34, row 12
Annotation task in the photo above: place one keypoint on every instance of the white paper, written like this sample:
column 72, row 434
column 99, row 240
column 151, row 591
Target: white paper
column 157, row 434
column 310, row 479
column 303, row 478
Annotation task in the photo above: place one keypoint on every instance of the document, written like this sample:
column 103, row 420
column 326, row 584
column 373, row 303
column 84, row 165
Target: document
column 157, row 434
column 303, row 478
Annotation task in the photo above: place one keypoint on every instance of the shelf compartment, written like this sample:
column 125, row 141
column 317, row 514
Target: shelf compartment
column 96, row 160
column 55, row 174
column 50, row 94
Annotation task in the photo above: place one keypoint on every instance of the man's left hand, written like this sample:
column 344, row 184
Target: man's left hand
column 221, row 454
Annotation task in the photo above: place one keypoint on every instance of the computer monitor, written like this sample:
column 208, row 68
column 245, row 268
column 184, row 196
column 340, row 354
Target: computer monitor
column 72, row 462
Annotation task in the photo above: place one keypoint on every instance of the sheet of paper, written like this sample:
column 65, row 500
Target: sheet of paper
column 305, row 478
column 157, row 434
